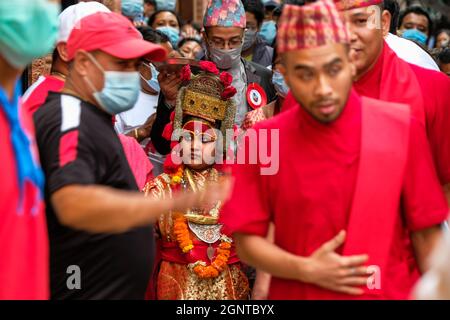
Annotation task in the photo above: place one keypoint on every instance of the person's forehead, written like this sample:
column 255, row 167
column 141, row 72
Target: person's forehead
column 101, row 55
column 417, row 18
column 225, row 32
column 356, row 12
column 250, row 16
column 165, row 15
column 191, row 44
column 316, row 57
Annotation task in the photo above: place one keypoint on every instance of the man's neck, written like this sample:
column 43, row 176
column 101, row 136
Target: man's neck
column 75, row 89
column 60, row 70
column 8, row 77
column 371, row 67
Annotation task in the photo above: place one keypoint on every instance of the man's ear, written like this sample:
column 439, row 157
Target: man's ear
column 385, row 22
column 283, row 71
column 62, row 51
column 80, row 63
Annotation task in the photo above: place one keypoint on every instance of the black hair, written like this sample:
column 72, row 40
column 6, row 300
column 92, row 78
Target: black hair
column 257, row 8
column 277, row 11
column 152, row 35
column 444, row 56
column 275, row 53
column 419, row 11
column 150, row 2
column 184, row 40
column 447, row 31
column 394, row 9
column 152, row 18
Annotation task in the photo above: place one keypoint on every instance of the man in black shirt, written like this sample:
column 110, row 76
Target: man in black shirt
column 99, row 226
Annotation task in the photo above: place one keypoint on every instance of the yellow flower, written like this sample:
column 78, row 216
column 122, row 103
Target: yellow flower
column 176, row 179
column 187, row 248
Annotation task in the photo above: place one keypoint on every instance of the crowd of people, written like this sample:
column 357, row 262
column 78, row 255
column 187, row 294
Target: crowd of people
column 274, row 150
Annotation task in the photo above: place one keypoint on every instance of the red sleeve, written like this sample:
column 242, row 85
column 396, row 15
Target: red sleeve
column 247, row 210
column 436, row 87
column 423, row 200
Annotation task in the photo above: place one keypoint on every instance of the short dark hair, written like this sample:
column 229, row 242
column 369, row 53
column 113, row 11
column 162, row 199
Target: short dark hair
column 419, row 11
column 444, row 56
column 153, row 17
column 150, row 2
column 394, row 9
column 152, row 35
column 184, row 40
column 257, row 8
column 447, row 31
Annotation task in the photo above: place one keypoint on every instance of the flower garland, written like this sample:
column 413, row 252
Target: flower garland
column 181, row 231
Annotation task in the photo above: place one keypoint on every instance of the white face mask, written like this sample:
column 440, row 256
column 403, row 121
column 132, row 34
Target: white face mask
column 225, row 59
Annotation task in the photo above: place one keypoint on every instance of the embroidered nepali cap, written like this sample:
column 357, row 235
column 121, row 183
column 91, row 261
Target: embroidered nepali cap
column 309, row 26
column 353, row 4
column 224, row 13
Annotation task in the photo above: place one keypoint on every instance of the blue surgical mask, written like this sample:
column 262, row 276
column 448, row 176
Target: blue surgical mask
column 173, row 35
column 166, row 4
column 153, row 83
column 280, row 85
column 268, row 31
column 120, row 91
column 133, row 9
column 415, row 35
column 28, row 30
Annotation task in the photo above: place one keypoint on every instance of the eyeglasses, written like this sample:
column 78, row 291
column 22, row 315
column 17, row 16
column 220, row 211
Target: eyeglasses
column 222, row 44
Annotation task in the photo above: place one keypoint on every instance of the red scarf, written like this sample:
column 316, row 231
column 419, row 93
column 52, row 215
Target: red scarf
column 392, row 79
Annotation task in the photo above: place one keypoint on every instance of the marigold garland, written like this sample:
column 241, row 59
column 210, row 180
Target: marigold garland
column 181, row 231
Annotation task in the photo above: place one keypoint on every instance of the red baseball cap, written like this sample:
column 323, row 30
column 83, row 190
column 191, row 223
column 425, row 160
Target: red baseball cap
column 113, row 34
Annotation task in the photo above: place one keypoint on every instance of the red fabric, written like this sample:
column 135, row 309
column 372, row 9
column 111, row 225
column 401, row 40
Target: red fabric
column 436, row 88
column 23, row 235
column 352, row 4
column 426, row 91
column 194, row 126
column 68, row 146
column 171, row 252
column 369, row 230
column 392, row 79
column 289, row 102
column 38, row 95
column 137, row 159
column 310, row 197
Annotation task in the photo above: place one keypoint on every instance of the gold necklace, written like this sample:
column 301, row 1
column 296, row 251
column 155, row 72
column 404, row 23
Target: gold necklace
column 58, row 75
column 213, row 214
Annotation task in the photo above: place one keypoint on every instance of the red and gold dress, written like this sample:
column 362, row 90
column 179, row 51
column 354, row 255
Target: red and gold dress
column 195, row 260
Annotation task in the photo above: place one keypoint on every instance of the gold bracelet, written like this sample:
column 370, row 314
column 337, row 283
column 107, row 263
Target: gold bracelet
column 136, row 134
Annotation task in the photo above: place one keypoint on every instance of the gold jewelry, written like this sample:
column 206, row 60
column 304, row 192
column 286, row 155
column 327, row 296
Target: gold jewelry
column 58, row 74
column 136, row 133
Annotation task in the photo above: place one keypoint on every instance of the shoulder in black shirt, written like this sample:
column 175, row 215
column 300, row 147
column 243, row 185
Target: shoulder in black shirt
column 78, row 145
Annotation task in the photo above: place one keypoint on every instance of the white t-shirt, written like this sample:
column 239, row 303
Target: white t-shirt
column 135, row 117
column 411, row 52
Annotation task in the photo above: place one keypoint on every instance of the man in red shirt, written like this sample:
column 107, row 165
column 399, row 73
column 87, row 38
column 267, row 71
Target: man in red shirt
column 36, row 95
column 347, row 165
column 24, row 35
column 381, row 74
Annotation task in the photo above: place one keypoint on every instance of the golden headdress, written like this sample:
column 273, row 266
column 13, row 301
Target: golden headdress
column 206, row 96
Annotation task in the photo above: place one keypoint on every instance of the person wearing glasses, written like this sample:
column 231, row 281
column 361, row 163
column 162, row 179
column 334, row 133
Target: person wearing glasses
column 224, row 28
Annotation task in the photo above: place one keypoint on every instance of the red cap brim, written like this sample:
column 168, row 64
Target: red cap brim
column 136, row 48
